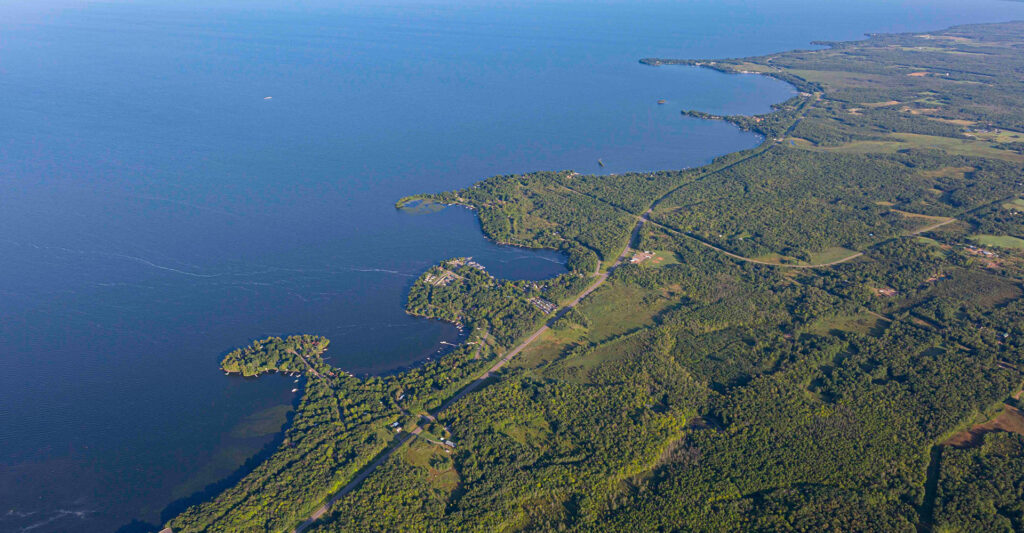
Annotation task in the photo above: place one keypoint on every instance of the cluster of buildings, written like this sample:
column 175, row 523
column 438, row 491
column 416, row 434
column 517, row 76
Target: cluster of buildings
column 974, row 250
column 544, row 306
column 640, row 257
column 440, row 280
column 447, row 276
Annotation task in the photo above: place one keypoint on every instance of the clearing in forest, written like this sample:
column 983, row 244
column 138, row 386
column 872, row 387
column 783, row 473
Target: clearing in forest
column 903, row 141
column 1002, row 241
column 1009, row 419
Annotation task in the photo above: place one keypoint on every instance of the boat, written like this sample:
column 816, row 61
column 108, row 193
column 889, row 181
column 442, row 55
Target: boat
column 295, row 390
column 661, row 102
column 601, row 163
column 267, row 97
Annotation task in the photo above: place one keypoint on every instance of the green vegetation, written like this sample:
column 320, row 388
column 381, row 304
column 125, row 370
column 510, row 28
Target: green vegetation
column 294, row 354
column 620, row 308
column 980, row 488
column 1002, row 241
column 560, row 210
column 460, row 293
column 708, row 391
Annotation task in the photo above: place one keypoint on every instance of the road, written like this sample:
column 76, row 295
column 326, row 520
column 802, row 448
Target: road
column 358, row 480
column 304, row 360
column 646, row 217
column 933, row 226
column 599, row 279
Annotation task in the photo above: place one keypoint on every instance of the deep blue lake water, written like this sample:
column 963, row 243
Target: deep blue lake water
column 157, row 210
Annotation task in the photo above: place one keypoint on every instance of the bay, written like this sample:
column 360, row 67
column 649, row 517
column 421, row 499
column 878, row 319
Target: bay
column 179, row 178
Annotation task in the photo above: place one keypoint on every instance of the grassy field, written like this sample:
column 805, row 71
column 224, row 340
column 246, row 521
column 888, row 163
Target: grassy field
column 903, row 141
column 863, row 323
column 831, row 254
column 548, row 347
column 838, row 78
column 998, row 136
column 1016, row 204
column 924, row 221
column 947, row 172
column 755, row 67
column 616, row 309
column 1002, row 241
column 661, row 258
column 603, row 353
column 435, row 460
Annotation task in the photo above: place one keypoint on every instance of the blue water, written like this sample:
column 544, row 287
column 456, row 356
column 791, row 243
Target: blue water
column 156, row 210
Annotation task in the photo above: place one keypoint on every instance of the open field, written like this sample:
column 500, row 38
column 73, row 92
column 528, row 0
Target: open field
column 619, row 308
column 903, row 141
column 661, row 258
column 863, row 323
column 998, row 136
column 829, row 255
column 1016, row 204
column 435, row 461
column 1009, row 419
column 1002, row 241
column 947, row 172
column 604, row 353
column 548, row 347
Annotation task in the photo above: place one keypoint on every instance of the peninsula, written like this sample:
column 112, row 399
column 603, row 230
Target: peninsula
column 825, row 332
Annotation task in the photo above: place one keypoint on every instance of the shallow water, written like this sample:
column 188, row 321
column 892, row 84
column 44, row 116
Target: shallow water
column 157, row 210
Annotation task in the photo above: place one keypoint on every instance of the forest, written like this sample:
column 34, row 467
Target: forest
column 827, row 333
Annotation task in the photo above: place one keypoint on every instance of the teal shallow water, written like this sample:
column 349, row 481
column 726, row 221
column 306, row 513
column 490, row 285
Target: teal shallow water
column 157, row 210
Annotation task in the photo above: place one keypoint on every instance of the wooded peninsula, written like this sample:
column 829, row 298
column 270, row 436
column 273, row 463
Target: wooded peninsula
column 822, row 333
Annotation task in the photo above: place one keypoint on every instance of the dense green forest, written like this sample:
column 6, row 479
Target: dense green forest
column 828, row 333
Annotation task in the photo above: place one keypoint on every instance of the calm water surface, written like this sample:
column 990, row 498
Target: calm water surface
column 157, row 209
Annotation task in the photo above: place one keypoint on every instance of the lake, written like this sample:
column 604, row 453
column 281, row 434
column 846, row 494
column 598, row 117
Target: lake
column 179, row 178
